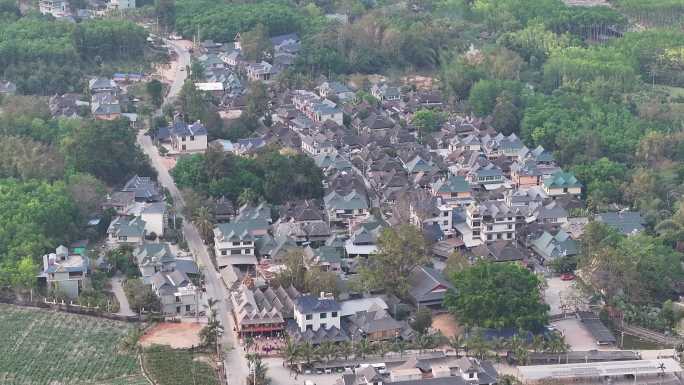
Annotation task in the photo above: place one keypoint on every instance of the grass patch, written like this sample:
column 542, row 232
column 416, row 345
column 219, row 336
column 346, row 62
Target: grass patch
column 178, row 367
column 43, row 347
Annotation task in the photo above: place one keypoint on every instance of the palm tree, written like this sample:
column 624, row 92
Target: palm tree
column 498, row 344
column 363, row 348
column 327, row 350
column 424, row 341
column 171, row 209
column 400, row 345
column 249, row 343
column 382, row 348
column 291, row 352
column 519, row 349
column 456, row 343
column 538, row 343
column 258, row 370
column 306, row 352
column 204, row 221
column 478, row 345
column 345, row 350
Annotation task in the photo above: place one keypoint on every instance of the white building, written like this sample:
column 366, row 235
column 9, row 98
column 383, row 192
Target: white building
column 154, row 215
column 188, row 138
column 56, row 8
column 65, row 272
column 121, row 4
column 234, row 243
column 314, row 313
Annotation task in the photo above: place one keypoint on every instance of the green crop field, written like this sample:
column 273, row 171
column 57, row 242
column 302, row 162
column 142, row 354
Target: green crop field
column 42, row 347
column 178, row 367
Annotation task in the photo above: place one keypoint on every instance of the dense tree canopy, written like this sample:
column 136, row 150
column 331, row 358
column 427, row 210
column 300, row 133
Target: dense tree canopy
column 45, row 56
column 497, row 295
column 270, row 174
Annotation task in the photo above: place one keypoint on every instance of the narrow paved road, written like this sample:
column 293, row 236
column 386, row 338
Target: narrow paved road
column 117, row 288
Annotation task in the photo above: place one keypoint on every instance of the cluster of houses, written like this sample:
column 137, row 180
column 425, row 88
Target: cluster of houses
column 61, row 9
column 140, row 221
column 226, row 68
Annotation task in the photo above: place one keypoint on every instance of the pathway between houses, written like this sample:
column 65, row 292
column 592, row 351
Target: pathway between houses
column 117, row 288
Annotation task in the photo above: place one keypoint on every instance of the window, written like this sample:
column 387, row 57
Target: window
column 445, row 223
column 445, row 214
column 235, row 252
column 178, row 299
column 236, row 243
column 498, row 236
column 183, row 139
column 510, row 226
column 323, row 315
column 183, row 147
column 192, row 137
column 489, row 237
column 309, row 316
column 324, row 325
column 476, row 224
column 309, row 327
column 224, row 252
column 334, row 314
column 187, row 307
column 476, row 232
column 178, row 308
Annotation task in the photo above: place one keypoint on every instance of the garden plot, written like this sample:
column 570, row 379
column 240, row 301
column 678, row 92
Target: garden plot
column 42, row 347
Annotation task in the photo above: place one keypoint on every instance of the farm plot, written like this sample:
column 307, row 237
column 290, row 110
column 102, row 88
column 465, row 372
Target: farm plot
column 178, row 367
column 42, row 347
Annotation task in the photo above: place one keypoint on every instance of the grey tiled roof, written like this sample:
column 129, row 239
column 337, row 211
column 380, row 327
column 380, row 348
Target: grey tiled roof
column 307, row 304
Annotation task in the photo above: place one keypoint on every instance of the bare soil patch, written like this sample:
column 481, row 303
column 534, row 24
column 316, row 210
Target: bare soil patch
column 177, row 335
column 447, row 324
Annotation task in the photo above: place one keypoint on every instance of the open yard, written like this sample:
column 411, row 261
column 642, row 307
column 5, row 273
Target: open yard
column 176, row 335
column 45, row 347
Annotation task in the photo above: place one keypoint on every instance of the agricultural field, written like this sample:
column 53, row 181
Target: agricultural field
column 178, row 367
column 42, row 347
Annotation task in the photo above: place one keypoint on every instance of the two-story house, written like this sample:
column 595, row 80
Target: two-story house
column 314, row 313
column 152, row 258
column 384, row 92
column 336, row 89
column 234, row 243
column 126, row 231
column 341, row 208
column 177, row 294
column 65, row 271
column 453, row 190
column 188, row 138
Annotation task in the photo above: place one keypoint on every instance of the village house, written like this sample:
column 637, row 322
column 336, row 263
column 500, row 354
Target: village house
column 562, row 183
column 177, row 294
column 384, row 92
column 549, row 247
column 428, row 287
column 314, row 313
column 143, row 188
column 126, row 231
column 188, row 138
column 341, row 208
column 336, row 89
column 105, row 106
column 117, row 5
column 152, row 258
column 56, row 8
column 259, row 71
column 103, row 85
column 65, row 272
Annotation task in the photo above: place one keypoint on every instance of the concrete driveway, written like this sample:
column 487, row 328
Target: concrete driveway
column 117, row 288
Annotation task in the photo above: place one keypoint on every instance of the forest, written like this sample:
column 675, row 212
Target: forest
column 45, row 56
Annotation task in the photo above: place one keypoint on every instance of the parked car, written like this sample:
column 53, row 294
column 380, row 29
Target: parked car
column 567, row 277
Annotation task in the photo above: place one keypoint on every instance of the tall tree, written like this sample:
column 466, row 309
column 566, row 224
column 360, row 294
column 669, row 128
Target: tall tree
column 400, row 250
column 497, row 295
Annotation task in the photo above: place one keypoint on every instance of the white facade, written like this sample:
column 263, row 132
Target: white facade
column 315, row 321
column 121, row 4
column 154, row 217
column 189, row 143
